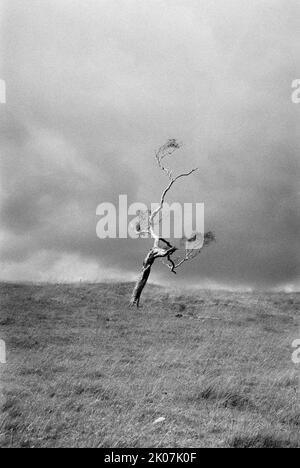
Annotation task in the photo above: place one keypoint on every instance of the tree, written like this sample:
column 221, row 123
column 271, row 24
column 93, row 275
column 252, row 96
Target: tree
column 162, row 249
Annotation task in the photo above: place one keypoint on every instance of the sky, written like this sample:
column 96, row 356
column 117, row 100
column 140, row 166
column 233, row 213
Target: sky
column 95, row 87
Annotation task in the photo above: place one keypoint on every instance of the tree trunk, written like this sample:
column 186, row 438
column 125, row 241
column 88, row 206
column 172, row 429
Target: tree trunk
column 154, row 253
column 142, row 281
column 139, row 287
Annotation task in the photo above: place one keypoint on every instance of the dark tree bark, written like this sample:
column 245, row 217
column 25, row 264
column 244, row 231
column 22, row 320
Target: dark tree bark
column 142, row 281
column 147, row 265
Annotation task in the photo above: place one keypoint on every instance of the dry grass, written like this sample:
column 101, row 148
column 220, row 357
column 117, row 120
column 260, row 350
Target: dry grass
column 84, row 370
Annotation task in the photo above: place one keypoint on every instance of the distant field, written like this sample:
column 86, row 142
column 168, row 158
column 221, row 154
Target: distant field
column 85, row 370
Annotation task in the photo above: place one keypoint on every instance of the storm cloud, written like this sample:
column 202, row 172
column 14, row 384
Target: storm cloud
column 95, row 87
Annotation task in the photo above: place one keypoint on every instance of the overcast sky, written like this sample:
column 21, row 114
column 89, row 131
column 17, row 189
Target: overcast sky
column 94, row 87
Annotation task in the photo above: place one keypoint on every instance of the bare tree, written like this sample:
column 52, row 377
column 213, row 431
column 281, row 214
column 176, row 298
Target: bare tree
column 163, row 249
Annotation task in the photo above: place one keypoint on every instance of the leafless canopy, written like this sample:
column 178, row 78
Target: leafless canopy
column 173, row 257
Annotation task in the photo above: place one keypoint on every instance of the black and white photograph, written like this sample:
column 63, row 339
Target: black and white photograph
column 149, row 226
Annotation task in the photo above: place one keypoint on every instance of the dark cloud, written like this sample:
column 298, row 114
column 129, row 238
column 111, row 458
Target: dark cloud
column 95, row 87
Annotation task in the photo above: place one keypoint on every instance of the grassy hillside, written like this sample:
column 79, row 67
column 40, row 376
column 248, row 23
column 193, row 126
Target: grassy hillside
column 84, row 369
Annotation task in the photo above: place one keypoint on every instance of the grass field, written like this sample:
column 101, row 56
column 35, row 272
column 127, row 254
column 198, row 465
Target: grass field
column 85, row 370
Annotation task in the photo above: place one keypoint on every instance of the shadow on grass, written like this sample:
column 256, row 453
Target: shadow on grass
column 227, row 398
column 263, row 441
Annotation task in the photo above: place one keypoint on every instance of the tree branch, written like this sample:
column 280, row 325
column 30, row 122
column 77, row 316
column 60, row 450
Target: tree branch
column 191, row 253
column 166, row 150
